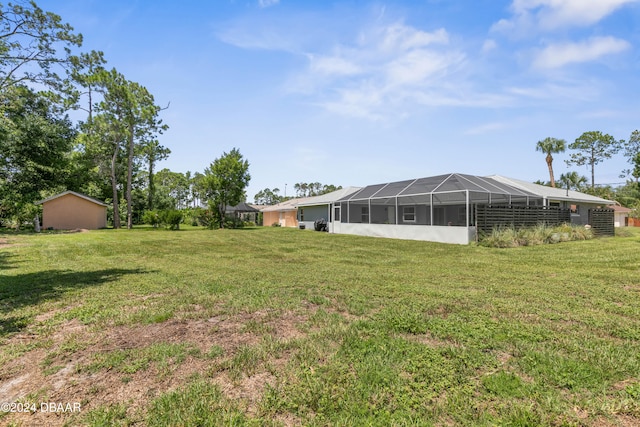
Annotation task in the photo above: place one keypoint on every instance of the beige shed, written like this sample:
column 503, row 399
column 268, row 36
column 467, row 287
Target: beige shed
column 71, row 210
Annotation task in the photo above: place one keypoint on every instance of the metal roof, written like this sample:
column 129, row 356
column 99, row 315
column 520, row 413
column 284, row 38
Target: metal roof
column 438, row 184
column 546, row 192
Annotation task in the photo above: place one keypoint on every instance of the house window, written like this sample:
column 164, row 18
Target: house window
column 409, row 214
column 574, row 209
column 301, row 214
column 365, row 214
column 336, row 213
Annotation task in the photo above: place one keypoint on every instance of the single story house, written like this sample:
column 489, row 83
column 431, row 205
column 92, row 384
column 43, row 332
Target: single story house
column 285, row 214
column 304, row 211
column 322, row 207
column 620, row 215
column 70, row 210
column 442, row 208
column 578, row 202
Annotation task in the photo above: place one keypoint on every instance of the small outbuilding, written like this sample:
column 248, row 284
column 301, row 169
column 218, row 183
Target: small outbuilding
column 621, row 215
column 70, row 210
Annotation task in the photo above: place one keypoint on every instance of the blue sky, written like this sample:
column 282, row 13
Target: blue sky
column 360, row 92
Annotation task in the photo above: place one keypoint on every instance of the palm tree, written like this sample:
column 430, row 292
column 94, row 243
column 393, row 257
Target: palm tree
column 571, row 180
column 549, row 146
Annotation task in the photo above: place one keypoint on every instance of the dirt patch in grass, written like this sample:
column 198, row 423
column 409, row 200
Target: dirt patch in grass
column 58, row 374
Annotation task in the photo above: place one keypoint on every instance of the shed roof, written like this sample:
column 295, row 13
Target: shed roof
column 620, row 209
column 82, row 196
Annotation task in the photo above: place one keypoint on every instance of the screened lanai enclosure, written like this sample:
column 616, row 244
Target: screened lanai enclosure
column 439, row 208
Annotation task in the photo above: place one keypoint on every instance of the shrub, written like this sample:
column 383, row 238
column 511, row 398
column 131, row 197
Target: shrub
column 151, row 218
column 276, row 224
column 510, row 237
column 172, row 219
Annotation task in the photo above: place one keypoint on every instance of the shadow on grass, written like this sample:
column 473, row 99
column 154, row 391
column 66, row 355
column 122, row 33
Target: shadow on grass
column 4, row 261
column 29, row 289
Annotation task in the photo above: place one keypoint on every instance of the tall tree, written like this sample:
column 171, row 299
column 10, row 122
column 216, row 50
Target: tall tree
column 153, row 152
column 143, row 125
column 636, row 168
column 593, row 147
column 268, row 197
column 35, row 142
column 572, row 181
column 631, row 151
column 225, row 182
column 30, row 36
column 86, row 72
column 551, row 146
column 126, row 114
column 304, row 189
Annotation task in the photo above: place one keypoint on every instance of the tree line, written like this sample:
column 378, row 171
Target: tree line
column 591, row 149
column 272, row 196
column 111, row 154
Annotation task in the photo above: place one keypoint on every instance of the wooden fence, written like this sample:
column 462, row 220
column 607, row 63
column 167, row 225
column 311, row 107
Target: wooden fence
column 602, row 221
column 489, row 217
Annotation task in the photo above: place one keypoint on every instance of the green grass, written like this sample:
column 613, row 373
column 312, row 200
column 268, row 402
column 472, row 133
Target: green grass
column 345, row 330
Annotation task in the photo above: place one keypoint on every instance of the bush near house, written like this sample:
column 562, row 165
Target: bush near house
column 511, row 237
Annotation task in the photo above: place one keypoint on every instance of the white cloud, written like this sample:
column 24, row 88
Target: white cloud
column 530, row 16
column 268, row 3
column 489, row 45
column 332, row 65
column 380, row 71
column 558, row 55
column 402, row 37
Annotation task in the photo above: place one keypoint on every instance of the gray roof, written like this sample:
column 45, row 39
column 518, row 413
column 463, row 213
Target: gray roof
column 324, row 199
column 559, row 194
column 328, row 198
column 241, row 207
column 438, row 184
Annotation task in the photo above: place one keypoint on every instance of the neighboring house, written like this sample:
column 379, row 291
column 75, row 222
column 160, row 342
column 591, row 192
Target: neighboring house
column 578, row 202
column 442, row 208
column 322, row 207
column 304, row 211
column 284, row 214
column 244, row 211
column 71, row 210
column 620, row 215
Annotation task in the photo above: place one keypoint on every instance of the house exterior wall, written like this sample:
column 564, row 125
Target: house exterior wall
column 313, row 213
column 284, row 218
column 433, row 233
column 620, row 219
column 69, row 212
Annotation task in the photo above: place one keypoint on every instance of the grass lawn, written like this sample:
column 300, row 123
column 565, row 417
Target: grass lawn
column 272, row 326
